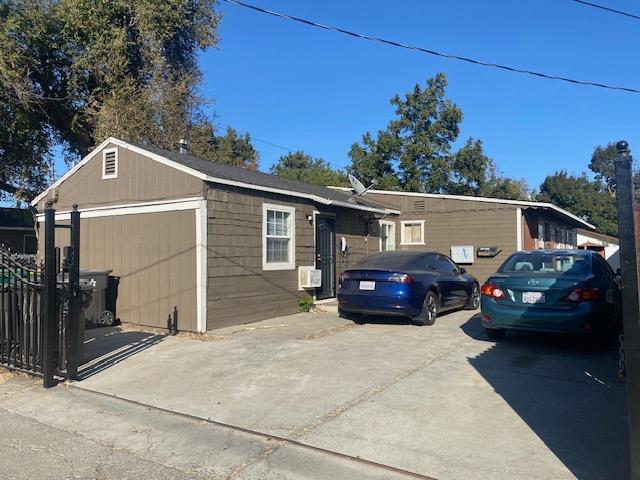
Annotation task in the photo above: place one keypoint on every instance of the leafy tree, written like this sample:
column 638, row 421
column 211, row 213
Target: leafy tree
column 75, row 71
column 582, row 197
column 414, row 154
column 602, row 165
column 300, row 166
column 230, row 149
column 373, row 160
column 474, row 173
column 509, row 189
column 415, row 146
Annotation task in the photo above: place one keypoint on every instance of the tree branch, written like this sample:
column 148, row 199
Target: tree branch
column 25, row 195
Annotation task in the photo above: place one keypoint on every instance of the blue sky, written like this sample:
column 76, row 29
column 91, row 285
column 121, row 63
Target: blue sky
column 319, row 91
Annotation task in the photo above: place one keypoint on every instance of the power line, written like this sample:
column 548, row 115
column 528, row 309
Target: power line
column 432, row 52
column 273, row 144
column 335, row 165
column 608, row 9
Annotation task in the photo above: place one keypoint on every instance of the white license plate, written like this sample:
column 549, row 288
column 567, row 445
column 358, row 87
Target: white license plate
column 367, row 285
column 532, row 297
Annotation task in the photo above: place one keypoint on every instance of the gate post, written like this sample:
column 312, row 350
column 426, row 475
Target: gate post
column 73, row 328
column 48, row 320
column 630, row 302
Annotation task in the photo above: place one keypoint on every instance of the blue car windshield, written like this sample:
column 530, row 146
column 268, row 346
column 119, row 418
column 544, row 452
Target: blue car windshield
column 547, row 263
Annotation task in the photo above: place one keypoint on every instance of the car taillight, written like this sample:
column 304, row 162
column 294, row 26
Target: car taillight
column 343, row 276
column 583, row 295
column 400, row 278
column 493, row 291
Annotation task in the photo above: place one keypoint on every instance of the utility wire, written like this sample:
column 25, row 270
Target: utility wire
column 272, row 144
column 432, row 52
column 608, row 9
column 335, row 165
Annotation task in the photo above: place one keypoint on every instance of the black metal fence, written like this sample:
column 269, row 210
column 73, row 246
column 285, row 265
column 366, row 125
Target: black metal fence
column 40, row 308
column 20, row 315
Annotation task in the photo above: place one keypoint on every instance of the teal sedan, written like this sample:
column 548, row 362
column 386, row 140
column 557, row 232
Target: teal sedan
column 554, row 291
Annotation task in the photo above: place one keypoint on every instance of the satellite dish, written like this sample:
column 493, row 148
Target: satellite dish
column 356, row 185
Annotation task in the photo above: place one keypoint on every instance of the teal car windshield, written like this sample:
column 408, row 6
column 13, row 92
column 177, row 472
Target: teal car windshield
column 548, row 263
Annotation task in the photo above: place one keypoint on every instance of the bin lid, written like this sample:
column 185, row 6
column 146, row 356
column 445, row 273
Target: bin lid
column 94, row 272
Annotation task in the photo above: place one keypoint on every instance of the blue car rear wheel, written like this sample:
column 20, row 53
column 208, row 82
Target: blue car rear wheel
column 429, row 312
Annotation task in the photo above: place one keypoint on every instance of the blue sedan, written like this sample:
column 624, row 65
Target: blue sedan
column 413, row 285
column 561, row 291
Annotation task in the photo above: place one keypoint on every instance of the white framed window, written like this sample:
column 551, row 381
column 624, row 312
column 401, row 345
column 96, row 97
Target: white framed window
column 412, row 232
column 109, row 163
column 387, row 235
column 278, row 237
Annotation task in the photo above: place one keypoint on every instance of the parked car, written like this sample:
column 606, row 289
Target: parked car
column 565, row 291
column 417, row 285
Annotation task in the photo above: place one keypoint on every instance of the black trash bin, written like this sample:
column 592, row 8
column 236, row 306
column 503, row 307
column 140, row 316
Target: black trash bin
column 94, row 306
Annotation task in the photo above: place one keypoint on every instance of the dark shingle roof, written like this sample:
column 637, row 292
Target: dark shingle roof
column 16, row 217
column 237, row 174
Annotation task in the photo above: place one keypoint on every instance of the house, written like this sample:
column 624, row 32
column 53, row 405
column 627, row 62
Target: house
column 479, row 233
column 17, row 231
column 606, row 245
column 215, row 245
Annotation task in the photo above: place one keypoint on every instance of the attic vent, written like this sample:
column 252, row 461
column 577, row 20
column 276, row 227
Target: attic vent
column 418, row 206
column 110, row 163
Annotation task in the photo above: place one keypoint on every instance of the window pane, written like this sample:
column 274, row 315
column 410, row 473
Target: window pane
column 413, row 232
column 277, row 250
column 278, row 223
column 271, row 214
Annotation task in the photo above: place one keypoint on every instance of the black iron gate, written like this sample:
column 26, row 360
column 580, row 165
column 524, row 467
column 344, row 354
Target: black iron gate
column 40, row 308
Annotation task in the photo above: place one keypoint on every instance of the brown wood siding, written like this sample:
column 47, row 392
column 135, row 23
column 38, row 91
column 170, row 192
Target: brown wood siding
column 238, row 290
column 458, row 222
column 140, row 179
column 154, row 256
column 530, row 231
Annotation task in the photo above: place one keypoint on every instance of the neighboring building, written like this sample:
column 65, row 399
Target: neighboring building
column 17, row 232
column 606, row 245
column 220, row 244
column 479, row 233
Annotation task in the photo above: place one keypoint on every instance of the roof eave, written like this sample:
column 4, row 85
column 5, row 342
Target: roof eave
column 205, row 177
column 524, row 203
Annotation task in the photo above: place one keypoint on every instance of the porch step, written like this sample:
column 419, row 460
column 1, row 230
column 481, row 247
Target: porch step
column 330, row 307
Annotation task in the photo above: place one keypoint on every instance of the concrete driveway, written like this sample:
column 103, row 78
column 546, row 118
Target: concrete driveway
column 440, row 401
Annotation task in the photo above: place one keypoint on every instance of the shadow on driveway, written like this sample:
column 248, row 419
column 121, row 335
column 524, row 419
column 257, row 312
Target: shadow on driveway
column 105, row 347
column 567, row 392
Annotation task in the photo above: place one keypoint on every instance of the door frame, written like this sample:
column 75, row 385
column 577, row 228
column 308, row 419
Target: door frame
column 331, row 216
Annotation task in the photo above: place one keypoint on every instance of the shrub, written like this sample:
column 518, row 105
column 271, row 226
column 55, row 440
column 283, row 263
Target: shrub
column 306, row 304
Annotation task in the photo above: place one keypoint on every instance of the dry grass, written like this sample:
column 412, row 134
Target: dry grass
column 6, row 375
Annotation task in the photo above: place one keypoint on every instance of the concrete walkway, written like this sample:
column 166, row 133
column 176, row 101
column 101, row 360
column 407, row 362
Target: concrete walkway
column 440, row 401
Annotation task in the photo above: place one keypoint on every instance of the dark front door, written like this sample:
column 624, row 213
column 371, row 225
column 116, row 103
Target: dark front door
column 326, row 256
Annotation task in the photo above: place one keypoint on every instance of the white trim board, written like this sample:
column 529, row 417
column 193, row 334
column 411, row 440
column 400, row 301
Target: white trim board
column 291, row 264
column 518, row 229
column 208, row 178
column 201, row 266
column 524, row 203
column 131, row 209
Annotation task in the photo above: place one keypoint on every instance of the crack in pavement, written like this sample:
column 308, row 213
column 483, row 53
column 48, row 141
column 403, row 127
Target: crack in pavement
column 335, row 413
column 111, row 449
